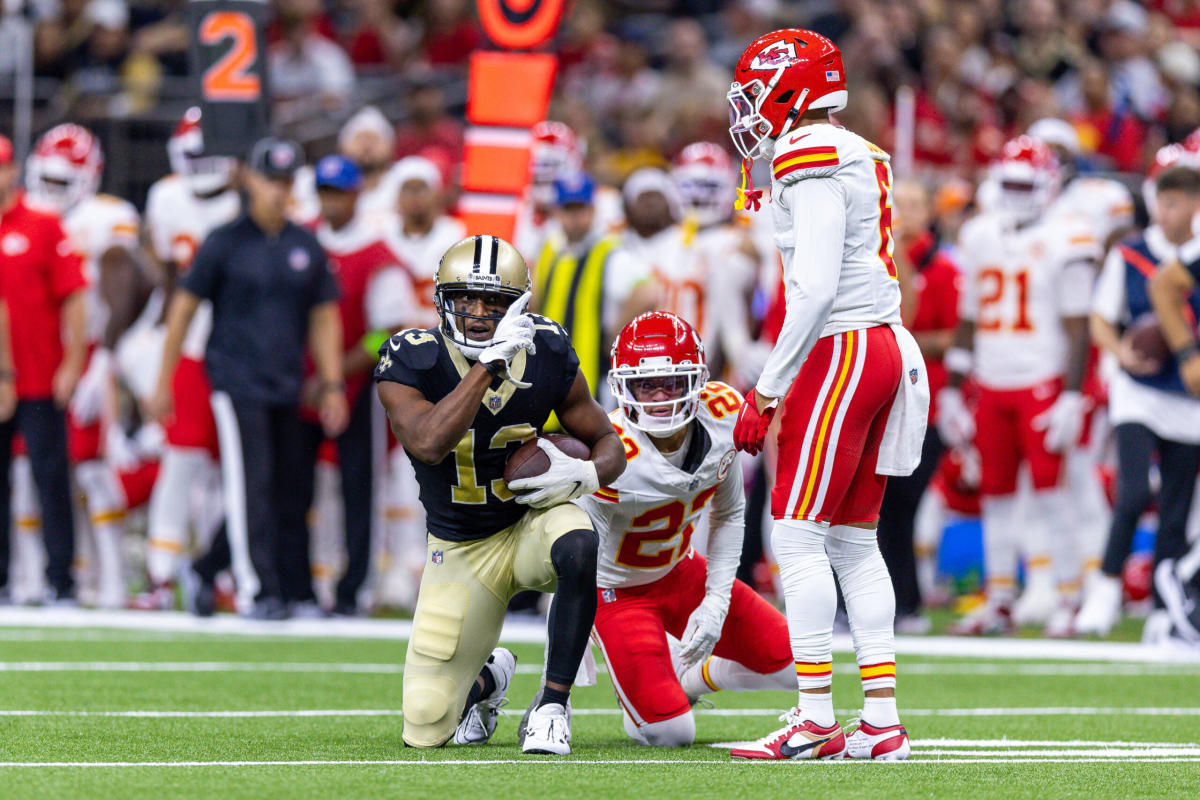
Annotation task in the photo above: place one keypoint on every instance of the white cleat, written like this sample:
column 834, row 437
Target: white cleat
column 1061, row 624
column 479, row 723
column 1035, row 606
column 548, row 731
column 1101, row 606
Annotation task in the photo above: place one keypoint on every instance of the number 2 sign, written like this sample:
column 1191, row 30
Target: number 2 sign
column 229, row 68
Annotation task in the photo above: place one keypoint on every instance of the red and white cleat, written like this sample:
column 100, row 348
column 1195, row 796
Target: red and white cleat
column 878, row 744
column 799, row 739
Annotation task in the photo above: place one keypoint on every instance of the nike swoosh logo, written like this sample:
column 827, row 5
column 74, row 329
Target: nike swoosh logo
column 787, row 751
column 795, row 139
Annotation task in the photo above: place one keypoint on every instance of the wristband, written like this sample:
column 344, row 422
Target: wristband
column 496, row 368
column 959, row 359
column 1186, row 352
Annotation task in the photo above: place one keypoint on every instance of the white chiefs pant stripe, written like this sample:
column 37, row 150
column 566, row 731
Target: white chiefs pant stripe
column 621, row 697
column 860, row 347
column 810, row 434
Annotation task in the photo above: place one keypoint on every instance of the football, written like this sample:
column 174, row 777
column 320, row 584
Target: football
column 1145, row 337
column 529, row 461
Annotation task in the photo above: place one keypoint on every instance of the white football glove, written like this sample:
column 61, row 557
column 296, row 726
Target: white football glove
column 90, row 392
column 955, row 423
column 514, row 333
column 119, row 450
column 566, row 479
column 1062, row 422
column 703, row 630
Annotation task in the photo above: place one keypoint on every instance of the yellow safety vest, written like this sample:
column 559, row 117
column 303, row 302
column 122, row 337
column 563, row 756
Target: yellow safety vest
column 572, row 295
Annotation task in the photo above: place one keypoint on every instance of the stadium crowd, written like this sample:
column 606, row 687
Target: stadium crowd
column 1085, row 110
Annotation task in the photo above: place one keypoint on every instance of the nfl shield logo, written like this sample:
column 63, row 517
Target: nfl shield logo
column 609, row 595
column 494, row 402
column 912, row 376
column 437, row 556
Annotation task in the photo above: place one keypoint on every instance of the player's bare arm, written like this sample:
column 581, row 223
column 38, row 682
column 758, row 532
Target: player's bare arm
column 429, row 431
column 1169, row 290
column 1078, row 342
column 125, row 285
column 584, row 419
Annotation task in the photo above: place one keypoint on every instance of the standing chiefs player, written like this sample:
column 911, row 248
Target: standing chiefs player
column 1023, row 337
column 847, row 418
column 678, row 434
column 63, row 174
column 181, row 209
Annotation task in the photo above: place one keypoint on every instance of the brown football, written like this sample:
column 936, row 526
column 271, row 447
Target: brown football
column 1146, row 338
column 529, row 461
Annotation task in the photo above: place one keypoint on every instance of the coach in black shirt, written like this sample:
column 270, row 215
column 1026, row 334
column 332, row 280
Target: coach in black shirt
column 272, row 294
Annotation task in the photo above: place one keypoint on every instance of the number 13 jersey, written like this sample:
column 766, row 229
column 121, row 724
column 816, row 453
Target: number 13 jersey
column 464, row 495
column 646, row 518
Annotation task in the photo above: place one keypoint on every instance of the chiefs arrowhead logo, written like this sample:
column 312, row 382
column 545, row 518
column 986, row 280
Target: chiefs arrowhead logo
column 774, row 56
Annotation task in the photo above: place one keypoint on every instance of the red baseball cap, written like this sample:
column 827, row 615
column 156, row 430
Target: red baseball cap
column 6, row 150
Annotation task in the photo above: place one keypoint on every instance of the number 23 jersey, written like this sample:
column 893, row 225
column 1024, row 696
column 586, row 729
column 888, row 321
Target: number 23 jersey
column 646, row 517
column 464, row 495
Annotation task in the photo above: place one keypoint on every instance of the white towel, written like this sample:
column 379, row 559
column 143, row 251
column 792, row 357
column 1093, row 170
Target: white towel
column 904, row 434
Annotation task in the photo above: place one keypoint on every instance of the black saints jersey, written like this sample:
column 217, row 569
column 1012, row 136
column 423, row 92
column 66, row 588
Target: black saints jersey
column 464, row 496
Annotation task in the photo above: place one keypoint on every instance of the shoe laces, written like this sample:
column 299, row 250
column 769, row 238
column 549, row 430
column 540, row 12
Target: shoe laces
column 854, row 724
column 790, row 719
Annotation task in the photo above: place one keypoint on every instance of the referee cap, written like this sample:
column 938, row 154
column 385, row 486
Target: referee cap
column 276, row 158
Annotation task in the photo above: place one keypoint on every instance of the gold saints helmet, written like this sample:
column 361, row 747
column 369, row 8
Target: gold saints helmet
column 476, row 264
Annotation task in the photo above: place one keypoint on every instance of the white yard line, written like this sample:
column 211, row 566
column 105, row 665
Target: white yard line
column 533, row 631
column 569, row 762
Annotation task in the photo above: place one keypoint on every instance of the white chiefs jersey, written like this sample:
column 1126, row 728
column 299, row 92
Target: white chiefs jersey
column 95, row 225
column 1107, row 205
column 178, row 222
column 677, row 268
column 1018, row 285
column 422, row 254
column 729, row 275
column 831, row 205
column 646, row 518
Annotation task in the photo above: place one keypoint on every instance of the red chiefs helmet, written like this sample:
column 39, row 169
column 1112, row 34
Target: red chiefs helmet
column 205, row 174
column 1026, row 178
column 556, row 151
column 65, row 167
column 704, row 175
column 658, row 372
column 778, row 78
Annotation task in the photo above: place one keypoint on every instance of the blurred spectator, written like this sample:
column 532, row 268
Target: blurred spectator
column 303, row 64
column 451, row 34
column 691, row 95
column 378, row 38
column 1103, row 129
column 429, row 125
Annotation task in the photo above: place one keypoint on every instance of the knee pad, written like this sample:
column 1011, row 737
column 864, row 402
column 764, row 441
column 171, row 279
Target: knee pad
column 674, row 732
column 799, row 549
column 574, row 554
column 429, row 713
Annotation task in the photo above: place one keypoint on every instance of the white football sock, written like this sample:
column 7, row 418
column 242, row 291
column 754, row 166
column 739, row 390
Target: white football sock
column 817, row 707
column 927, row 538
column 106, row 515
column 1051, row 513
column 880, row 711
column 1089, row 509
column 674, row 732
column 810, row 598
column 718, row 674
column 870, row 602
column 1000, row 537
column 167, row 518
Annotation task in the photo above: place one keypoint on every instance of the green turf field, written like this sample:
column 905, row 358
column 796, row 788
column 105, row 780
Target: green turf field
column 124, row 714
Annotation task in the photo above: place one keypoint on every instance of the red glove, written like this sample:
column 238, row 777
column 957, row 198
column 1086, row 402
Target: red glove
column 751, row 429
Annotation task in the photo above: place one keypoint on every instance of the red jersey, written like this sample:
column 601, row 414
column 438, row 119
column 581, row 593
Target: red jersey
column 39, row 269
column 936, row 283
column 356, row 253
